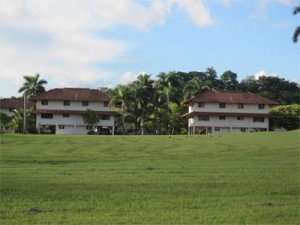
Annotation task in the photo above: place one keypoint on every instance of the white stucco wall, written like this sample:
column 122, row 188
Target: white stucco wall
column 59, row 105
column 214, row 107
column 6, row 111
column 228, row 122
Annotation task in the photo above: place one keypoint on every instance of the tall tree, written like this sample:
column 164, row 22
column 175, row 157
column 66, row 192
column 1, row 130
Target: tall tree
column 229, row 80
column 143, row 92
column 32, row 86
column 297, row 31
column 121, row 94
column 194, row 87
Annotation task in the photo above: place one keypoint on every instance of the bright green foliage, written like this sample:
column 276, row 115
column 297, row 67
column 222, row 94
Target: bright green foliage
column 90, row 118
column 250, row 178
column 16, row 122
column 287, row 116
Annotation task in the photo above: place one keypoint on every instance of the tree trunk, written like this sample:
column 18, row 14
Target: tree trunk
column 142, row 125
column 24, row 115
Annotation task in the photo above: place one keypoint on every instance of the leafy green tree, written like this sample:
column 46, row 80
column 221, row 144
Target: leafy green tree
column 274, row 88
column 4, row 121
column 297, row 31
column 286, row 116
column 229, row 80
column 17, row 122
column 90, row 118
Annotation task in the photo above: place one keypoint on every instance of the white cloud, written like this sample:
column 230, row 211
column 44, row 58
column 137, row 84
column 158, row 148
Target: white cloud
column 263, row 73
column 197, row 11
column 129, row 77
column 73, row 30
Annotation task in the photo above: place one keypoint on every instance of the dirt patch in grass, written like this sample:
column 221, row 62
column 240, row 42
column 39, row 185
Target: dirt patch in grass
column 34, row 211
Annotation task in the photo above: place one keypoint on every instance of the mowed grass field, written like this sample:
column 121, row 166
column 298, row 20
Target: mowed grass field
column 230, row 179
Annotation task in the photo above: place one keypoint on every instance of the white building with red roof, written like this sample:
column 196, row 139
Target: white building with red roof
column 60, row 111
column 215, row 112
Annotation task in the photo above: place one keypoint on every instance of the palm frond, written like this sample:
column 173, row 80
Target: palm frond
column 296, row 10
column 296, row 34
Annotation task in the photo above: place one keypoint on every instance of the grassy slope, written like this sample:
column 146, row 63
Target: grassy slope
column 232, row 179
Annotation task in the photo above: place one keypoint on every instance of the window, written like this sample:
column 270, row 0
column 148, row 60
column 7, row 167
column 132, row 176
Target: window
column 222, row 105
column 203, row 118
column 89, row 127
column 217, row 128
column 240, row 105
column 66, row 103
column 258, row 119
column 11, row 109
column 222, row 117
column 46, row 116
column 201, row 104
column 261, row 106
column 44, row 102
column 66, row 115
column 240, row 118
column 105, row 104
column 85, row 103
column 105, row 117
column 61, row 127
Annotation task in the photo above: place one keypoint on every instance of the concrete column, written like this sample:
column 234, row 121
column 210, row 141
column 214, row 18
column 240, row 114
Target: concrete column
column 113, row 130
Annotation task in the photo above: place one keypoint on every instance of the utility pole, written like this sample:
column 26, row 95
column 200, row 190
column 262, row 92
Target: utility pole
column 24, row 115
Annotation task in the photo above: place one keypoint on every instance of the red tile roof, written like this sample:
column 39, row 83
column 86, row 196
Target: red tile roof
column 192, row 114
column 73, row 94
column 232, row 97
column 75, row 112
column 14, row 103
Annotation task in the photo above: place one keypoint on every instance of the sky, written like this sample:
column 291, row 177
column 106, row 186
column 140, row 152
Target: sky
column 101, row 43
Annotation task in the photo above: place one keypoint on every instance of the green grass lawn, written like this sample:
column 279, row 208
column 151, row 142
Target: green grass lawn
column 231, row 179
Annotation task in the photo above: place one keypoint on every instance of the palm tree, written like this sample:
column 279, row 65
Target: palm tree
column 31, row 87
column 121, row 94
column 194, row 87
column 143, row 92
column 297, row 31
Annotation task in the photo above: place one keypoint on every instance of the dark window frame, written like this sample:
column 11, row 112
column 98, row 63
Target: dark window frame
column 222, row 117
column 44, row 102
column 67, row 103
column 261, row 106
column 66, row 115
column 258, row 119
column 222, row 105
column 85, row 103
column 46, row 116
column 201, row 105
column 203, row 118
column 105, row 117
column 240, row 105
